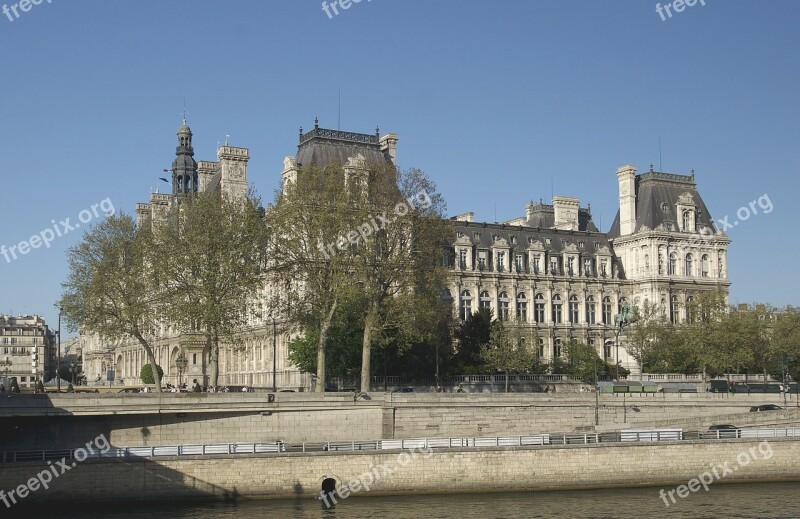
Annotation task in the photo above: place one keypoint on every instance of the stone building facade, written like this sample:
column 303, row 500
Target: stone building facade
column 553, row 271
column 27, row 350
column 552, row 268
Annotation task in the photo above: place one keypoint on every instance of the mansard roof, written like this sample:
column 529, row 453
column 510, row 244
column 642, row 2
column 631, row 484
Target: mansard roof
column 657, row 196
column 322, row 146
column 487, row 235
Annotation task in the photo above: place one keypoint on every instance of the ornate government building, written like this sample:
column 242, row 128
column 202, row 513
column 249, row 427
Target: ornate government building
column 551, row 269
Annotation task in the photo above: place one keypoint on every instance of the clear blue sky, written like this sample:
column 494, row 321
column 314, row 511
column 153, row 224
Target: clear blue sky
column 496, row 101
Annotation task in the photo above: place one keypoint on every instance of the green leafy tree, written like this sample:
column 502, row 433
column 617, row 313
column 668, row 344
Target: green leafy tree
column 400, row 270
column 110, row 289
column 311, row 259
column 146, row 374
column 473, row 333
column 509, row 349
column 209, row 258
column 784, row 345
column 582, row 362
column 649, row 326
column 343, row 346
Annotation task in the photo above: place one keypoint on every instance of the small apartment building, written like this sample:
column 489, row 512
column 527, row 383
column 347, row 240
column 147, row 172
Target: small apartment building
column 27, row 350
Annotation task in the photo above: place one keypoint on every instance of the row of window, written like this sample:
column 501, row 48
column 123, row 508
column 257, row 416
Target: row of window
column 539, row 307
column 14, row 340
column 539, row 264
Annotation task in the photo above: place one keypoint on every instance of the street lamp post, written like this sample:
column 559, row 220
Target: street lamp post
column 597, row 394
column 181, row 362
column 58, row 354
column 274, row 358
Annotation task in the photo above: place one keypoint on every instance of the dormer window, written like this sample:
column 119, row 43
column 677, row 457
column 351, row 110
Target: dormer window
column 513, row 240
column 477, row 236
column 688, row 220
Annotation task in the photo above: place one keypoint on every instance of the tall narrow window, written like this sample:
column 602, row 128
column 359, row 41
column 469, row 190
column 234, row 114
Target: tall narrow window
column 573, row 309
column 690, row 310
column 486, row 301
column 675, row 309
column 673, row 264
column 557, row 348
column 519, row 263
column 522, row 307
column 462, row 259
column 466, row 304
column 554, row 266
column 556, row 308
column 482, row 260
column 591, row 315
column 502, row 306
column 689, row 270
column 704, row 265
column 541, row 347
column 607, row 310
column 538, row 308
column 536, row 264
column 501, row 261
column 607, row 349
column 687, row 221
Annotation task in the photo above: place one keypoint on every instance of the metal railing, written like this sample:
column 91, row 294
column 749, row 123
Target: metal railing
column 536, row 440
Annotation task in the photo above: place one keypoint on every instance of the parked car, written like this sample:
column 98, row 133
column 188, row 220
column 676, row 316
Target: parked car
column 407, row 389
column 129, row 390
column 722, row 431
column 765, row 407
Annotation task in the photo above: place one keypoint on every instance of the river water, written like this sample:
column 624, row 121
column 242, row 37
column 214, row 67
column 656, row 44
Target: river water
column 766, row 500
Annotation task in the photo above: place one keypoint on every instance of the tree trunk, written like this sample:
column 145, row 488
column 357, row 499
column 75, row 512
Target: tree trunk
column 506, row 381
column 366, row 351
column 323, row 337
column 151, row 357
column 213, row 359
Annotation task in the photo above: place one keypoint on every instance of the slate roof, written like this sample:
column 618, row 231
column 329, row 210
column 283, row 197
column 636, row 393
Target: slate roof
column 322, row 146
column 483, row 236
column 656, row 197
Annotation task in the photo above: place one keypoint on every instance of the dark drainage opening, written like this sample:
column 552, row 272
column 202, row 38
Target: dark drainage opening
column 328, row 485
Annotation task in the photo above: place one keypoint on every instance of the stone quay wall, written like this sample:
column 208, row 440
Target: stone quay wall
column 657, row 464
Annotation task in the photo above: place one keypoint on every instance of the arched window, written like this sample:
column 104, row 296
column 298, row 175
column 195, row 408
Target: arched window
column 557, row 348
column 591, row 310
column 502, row 300
column 522, row 307
column 607, row 347
column 573, row 309
column 485, row 300
column 556, row 308
column 673, row 264
column 704, row 265
column 607, row 318
column 687, row 221
column 541, row 347
column 689, row 267
column 538, row 308
column 690, row 309
column 466, row 305
column 675, row 308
